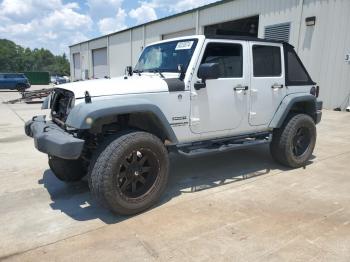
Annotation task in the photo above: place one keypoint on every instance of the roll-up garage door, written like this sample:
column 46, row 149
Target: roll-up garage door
column 76, row 64
column 99, row 61
column 179, row 34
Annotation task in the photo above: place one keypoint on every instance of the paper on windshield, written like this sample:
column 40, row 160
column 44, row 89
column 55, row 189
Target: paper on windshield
column 184, row 45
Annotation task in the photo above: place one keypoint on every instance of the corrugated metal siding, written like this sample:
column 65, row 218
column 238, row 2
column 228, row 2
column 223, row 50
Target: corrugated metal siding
column 84, row 60
column 155, row 31
column 179, row 34
column 73, row 50
column 98, row 43
column 119, row 53
column 282, row 11
column 323, row 47
column 278, row 32
column 137, row 44
column 76, row 66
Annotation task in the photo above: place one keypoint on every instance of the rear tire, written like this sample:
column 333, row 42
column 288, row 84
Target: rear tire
column 130, row 173
column 292, row 144
column 21, row 88
column 67, row 170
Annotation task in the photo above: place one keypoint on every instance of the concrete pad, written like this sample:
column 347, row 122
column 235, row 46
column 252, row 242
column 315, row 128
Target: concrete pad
column 237, row 206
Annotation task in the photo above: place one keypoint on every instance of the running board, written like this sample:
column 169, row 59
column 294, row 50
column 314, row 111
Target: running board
column 198, row 150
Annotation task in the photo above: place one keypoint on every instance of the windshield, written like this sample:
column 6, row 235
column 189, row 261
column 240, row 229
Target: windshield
column 166, row 57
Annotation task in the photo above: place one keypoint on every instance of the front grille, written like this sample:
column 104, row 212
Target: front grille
column 62, row 102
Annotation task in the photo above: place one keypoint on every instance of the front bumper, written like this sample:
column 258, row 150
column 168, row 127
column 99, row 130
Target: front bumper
column 50, row 139
column 319, row 105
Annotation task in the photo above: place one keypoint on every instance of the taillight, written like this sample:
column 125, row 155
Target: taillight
column 313, row 91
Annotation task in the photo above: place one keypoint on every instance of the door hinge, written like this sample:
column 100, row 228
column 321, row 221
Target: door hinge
column 194, row 121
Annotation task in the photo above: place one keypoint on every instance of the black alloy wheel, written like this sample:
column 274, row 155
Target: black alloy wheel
column 137, row 173
column 293, row 143
column 301, row 141
column 129, row 172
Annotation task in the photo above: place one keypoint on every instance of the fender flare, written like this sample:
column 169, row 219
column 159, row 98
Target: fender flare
column 83, row 115
column 287, row 104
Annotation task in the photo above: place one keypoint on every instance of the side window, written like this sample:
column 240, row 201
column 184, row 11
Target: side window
column 266, row 61
column 228, row 56
column 296, row 72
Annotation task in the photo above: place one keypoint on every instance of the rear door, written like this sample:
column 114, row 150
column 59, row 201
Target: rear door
column 267, row 81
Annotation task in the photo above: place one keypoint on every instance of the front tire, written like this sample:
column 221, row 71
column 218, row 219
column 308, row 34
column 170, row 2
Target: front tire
column 67, row 170
column 130, row 173
column 292, row 144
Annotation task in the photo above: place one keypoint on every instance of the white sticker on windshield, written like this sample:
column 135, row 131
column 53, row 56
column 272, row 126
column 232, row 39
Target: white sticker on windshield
column 184, row 45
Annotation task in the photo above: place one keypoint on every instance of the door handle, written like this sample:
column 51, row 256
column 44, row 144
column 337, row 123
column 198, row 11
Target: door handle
column 240, row 88
column 275, row 86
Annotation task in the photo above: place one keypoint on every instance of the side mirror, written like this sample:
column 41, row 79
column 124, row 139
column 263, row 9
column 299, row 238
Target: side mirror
column 182, row 71
column 207, row 71
column 128, row 70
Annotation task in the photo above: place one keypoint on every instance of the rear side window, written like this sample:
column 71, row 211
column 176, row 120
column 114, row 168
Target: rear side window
column 266, row 61
column 296, row 73
column 12, row 76
column 228, row 56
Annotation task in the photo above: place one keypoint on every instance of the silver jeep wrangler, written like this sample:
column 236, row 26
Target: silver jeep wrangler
column 190, row 95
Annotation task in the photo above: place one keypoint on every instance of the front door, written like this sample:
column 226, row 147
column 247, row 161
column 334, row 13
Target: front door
column 222, row 104
column 267, row 82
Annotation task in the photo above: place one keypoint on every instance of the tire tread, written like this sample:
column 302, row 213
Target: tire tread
column 100, row 170
column 280, row 140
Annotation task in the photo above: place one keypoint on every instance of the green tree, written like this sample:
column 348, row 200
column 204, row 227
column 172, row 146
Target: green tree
column 14, row 58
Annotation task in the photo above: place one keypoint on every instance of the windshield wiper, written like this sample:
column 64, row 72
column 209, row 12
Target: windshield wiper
column 157, row 71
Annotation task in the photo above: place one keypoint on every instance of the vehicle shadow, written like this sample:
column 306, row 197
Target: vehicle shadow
column 187, row 176
column 75, row 200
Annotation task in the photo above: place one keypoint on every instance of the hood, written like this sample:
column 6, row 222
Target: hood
column 117, row 86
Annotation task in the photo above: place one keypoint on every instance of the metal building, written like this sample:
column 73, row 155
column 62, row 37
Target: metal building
column 319, row 30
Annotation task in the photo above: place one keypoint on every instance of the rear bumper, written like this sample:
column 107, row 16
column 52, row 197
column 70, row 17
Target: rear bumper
column 319, row 105
column 53, row 140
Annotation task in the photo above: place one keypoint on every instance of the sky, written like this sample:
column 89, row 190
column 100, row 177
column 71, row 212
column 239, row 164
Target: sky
column 56, row 24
